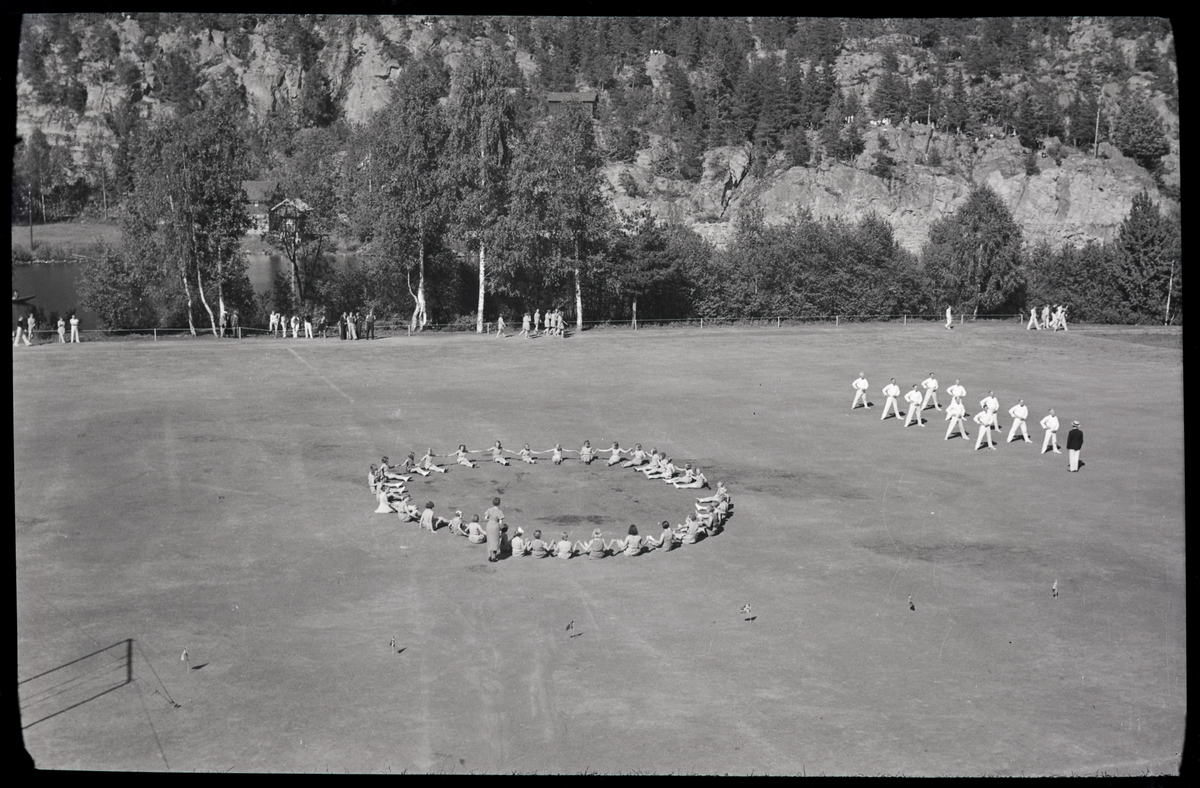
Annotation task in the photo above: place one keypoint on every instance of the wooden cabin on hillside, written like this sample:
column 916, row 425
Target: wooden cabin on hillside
column 260, row 196
column 556, row 102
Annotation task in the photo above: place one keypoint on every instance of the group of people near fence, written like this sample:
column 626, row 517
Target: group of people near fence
column 552, row 324
column 351, row 325
column 26, row 330
column 987, row 419
column 1051, row 321
column 388, row 484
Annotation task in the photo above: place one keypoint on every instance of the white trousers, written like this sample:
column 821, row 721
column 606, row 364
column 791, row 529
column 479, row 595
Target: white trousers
column 1017, row 423
column 891, row 403
column 914, row 412
column 860, row 393
column 961, row 424
column 930, row 394
column 1073, row 458
column 1051, row 439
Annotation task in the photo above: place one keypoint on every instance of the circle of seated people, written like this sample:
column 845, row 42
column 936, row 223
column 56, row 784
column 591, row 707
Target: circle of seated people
column 388, row 484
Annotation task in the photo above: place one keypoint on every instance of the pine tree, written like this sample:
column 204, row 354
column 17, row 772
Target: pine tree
column 1148, row 250
column 1140, row 132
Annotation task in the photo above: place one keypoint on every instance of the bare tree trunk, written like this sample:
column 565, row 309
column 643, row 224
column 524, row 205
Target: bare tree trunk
column 482, row 282
column 200, row 286
column 578, row 291
column 418, row 316
column 578, row 303
column 187, row 289
column 220, row 292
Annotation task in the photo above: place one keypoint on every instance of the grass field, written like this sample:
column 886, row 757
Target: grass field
column 69, row 237
column 211, row 496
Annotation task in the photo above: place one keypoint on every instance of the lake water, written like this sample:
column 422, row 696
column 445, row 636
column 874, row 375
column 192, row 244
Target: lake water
column 53, row 284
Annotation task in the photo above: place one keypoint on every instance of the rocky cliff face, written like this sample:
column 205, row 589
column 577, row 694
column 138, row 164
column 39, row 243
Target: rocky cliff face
column 1072, row 200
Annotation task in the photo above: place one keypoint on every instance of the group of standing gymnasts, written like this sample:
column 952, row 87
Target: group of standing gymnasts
column 956, row 413
column 387, row 484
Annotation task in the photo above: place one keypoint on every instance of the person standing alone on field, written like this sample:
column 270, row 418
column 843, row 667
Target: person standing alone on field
column 860, row 390
column 74, row 328
column 1050, row 425
column 494, row 517
column 62, row 331
column 891, row 391
column 949, row 317
column 1074, row 445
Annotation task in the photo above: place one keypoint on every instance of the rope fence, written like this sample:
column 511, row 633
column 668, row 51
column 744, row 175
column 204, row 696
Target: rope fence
column 385, row 329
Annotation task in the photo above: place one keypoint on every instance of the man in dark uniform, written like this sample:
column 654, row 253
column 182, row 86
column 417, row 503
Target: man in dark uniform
column 1074, row 444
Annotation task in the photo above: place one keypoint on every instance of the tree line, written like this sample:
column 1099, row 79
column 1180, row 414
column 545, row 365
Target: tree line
column 462, row 202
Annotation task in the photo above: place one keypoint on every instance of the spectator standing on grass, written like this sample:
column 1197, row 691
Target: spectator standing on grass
column 272, row 322
column 237, row 328
column 1074, row 445
column 351, row 327
column 308, row 334
column 32, row 328
column 370, row 324
column 74, row 328
column 495, row 518
column 525, row 326
column 499, row 326
column 949, row 317
column 1050, row 424
column 537, row 320
column 62, row 331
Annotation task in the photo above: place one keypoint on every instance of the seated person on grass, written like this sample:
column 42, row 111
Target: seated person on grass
column 428, row 520
column 689, row 532
column 562, row 548
column 411, row 465
column 594, row 547
column 538, row 548
column 693, row 480
column 428, row 464
column 463, row 459
column 520, row 547
column 665, row 541
column 636, row 458
column 475, row 532
column 632, row 544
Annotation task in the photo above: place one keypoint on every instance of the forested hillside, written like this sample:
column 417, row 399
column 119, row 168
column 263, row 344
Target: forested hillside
column 420, row 139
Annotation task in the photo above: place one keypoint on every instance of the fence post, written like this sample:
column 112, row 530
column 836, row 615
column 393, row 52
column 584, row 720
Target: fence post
column 155, row 334
column 906, row 320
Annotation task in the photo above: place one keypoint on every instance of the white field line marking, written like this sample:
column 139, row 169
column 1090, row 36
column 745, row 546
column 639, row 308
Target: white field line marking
column 318, row 374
